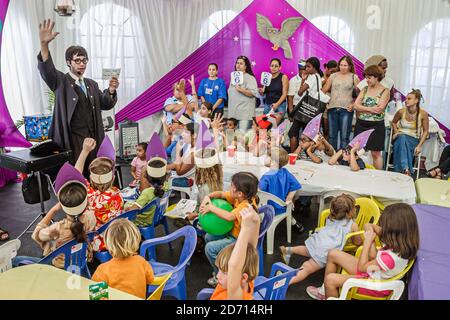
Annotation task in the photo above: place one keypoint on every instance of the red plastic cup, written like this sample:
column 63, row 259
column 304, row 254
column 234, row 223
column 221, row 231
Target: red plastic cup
column 231, row 151
column 292, row 158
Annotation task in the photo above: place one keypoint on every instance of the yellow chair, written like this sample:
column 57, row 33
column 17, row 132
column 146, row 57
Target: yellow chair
column 369, row 212
column 379, row 204
column 354, row 294
column 369, row 166
column 161, row 281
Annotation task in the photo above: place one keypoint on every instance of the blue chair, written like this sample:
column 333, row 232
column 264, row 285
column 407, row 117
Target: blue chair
column 176, row 286
column 273, row 288
column 269, row 214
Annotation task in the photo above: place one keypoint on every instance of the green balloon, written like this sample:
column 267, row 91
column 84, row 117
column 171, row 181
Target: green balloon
column 214, row 225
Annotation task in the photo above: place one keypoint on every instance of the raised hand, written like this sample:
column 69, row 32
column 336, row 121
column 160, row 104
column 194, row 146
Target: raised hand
column 113, row 85
column 89, row 144
column 46, row 34
column 192, row 81
column 217, row 122
column 182, row 85
column 250, row 218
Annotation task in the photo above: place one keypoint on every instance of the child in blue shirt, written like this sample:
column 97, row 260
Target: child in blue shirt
column 279, row 181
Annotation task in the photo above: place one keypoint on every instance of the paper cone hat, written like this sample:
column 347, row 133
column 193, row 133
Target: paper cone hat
column 313, row 127
column 106, row 151
column 206, row 153
column 182, row 117
column 68, row 175
column 156, row 151
column 282, row 127
column 362, row 139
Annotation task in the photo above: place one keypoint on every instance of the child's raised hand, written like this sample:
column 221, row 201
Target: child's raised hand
column 89, row 144
column 369, row 236
column 250, row 218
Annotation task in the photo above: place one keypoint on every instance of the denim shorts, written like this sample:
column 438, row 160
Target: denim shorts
column 281, row 109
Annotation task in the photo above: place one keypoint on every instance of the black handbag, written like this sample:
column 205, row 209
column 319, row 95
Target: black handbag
column 308, row 107
column 30, row 189
column 355, row 90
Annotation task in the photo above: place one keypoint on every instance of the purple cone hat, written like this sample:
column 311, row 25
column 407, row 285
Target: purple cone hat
column 205, row 144
column 362, row 139
column 182, row 117
column 105, row 151
column 313, row 127
column 282, row 127
column 68, row 175
column 156, row 151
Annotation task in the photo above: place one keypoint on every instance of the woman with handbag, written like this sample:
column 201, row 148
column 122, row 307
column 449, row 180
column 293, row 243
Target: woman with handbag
column 371, row 106
column 342, row 86
column 312, row 102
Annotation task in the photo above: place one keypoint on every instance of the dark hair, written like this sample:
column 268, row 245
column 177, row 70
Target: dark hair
column 214, row 64
column 157, row 183
column 143, row 145
column 247, row 183
column 349, row 60
column 235, row 122
column 342, row 207
column 418, row 94
column 374, row 71
column 315, row 62
column 400, row 230
column 277, row 60
column 208, row 105
column 248, row 65
column 74, row 51
column 331, row 64
column 71, row 196
column 192, row 128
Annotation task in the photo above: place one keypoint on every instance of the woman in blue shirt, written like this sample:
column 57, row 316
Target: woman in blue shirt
column 213, row 90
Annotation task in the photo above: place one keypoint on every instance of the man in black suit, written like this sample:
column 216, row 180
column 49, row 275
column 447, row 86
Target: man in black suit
column 79, row 101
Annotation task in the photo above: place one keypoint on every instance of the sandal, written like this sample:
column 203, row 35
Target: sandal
column 435, row 173
column 4, row 235
column 286, row 253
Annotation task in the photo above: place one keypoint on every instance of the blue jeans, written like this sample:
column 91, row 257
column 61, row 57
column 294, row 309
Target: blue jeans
column 181, row 182
column 215, row 244
column 339, row 121
column 16, row 261
column 404, row 146
column 281, row 109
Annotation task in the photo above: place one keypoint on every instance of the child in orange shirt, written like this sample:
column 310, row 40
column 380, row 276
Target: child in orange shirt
column 243, row 192
column 127, row 271
column 238, row 263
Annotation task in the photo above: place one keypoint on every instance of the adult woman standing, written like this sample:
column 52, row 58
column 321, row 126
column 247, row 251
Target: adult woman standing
column 371, row 105
column 213, row 90
column 276, row 92
column 242, row 98
column 380, row 61
column 341, row 85
column 410, row 126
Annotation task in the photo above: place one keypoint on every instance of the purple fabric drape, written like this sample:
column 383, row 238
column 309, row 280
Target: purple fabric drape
column 430, row 277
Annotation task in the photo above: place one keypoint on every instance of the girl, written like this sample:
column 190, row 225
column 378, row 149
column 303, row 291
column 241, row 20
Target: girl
column 341, row 85
column 127, row 271
column 276, row 92
column 371, row 105
column 399, row 233
column 204, row 113
column 332, row 236
column 238, row 263
column 257, row 140
column 72, row 192
column 242, row 98
column 348, row 157
column 410, row 131
column 138, row 164
column 155, row 180
column 213, row 90
column 243, row 192
column 105, row 200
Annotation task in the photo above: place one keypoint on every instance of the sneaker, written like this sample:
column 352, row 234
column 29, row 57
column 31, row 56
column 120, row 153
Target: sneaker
column 286, row 253
column 213, row 281
column 300, row 228
column 314, row 293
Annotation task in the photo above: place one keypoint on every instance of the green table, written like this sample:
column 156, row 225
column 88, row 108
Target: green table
column 433, row 191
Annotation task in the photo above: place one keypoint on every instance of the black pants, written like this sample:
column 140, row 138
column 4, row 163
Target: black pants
column 444, row 162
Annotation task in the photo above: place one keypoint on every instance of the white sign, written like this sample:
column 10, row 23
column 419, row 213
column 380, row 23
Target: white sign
column 266, row 79
column 76, row 248
column 183, row 207
column 237, row 78
column 108, row 74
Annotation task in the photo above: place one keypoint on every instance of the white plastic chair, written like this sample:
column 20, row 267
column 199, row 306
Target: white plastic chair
column 332, row 194
column 396, row 286
column 7, row 252
column 264, row 197
column 185, row 192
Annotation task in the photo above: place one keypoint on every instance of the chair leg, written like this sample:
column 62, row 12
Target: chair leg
column 289, row 226
column 166, row 230
column 270, row 238
column 321, row 205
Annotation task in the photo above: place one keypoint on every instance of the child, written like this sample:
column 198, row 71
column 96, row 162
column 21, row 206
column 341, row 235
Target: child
column 238, row 263
column 243, row 191
column 138, row 164
column 398, row 231
column 280, row 182
column 256, row 140
column 71, row 190
column 105, row 200
column 127, row 271
column 173, row 132
column 155, row 180
column 332, row 236
column 204, row 113
column 233, row 135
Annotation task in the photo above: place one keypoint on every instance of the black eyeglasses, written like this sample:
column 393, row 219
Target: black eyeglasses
column 79, row 61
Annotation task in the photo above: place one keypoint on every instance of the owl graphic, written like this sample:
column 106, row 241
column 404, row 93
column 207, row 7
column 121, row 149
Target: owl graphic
column 279, row 38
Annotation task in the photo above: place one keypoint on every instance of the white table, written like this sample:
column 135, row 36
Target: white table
column 318, row 179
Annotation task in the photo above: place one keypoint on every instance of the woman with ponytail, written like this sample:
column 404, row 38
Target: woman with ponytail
column 410, row 131
column 71, row 188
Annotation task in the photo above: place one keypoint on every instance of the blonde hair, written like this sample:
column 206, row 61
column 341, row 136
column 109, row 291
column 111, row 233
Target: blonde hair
column 101, row 166
column 251, row 264
column 122, row 239
column 213, row 176
column 278, row 154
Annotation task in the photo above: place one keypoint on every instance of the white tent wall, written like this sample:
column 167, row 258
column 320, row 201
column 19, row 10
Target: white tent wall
column 163, row 33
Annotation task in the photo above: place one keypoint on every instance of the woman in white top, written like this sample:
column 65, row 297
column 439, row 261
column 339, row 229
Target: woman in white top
column 242, row 98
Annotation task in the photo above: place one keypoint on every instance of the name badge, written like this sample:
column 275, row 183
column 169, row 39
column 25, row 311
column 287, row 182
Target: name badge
column 209, row 91
column 266, row 79
column 237, row 78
